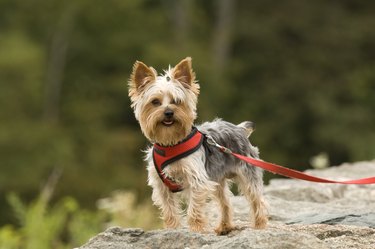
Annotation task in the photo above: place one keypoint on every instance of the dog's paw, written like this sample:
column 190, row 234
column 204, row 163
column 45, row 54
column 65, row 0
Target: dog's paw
column 198, row 226
column 261, row 223
column 224, row 229
column 171, row 222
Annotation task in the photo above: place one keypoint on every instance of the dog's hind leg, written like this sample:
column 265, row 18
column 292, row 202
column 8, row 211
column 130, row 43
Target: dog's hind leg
column 250, row 184
column 222, row 194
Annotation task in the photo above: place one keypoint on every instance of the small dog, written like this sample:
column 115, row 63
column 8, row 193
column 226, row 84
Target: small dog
column 165, row 107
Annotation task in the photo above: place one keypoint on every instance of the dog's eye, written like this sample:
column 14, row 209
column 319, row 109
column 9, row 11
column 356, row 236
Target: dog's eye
column 175, row 102
column 156, row 102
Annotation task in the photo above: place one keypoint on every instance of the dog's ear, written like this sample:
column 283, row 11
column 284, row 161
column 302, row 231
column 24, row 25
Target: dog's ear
column 141, row 76
column 183, row 73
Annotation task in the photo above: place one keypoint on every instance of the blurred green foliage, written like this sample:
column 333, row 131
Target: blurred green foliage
column 303, row 71
column 67, row 225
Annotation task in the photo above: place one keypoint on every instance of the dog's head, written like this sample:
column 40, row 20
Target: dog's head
column 165, row 105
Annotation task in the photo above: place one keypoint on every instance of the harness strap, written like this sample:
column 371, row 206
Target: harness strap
column 163, row 156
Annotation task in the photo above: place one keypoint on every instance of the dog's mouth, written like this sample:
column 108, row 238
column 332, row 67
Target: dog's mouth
column 168, row 122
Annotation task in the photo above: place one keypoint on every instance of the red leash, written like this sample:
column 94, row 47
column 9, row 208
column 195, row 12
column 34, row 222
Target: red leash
column 291, row 173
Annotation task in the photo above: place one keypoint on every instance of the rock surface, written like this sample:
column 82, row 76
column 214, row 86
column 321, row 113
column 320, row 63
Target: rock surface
column 302, row 215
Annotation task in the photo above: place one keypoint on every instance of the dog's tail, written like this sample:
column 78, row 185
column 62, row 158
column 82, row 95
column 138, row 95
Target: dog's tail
column 248, row 126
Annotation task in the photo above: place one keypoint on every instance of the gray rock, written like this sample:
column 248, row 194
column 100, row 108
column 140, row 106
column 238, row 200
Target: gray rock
column 294, row 202
column 302, row 215
column 367, row 220
column 119, row 238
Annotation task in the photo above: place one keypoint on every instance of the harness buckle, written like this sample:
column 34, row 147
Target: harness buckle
column 211, row 141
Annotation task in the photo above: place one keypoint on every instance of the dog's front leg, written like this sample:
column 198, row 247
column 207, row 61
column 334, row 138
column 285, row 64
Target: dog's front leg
column 200, row 187
column 165, row 200
column 196, row 209
column 167, row 203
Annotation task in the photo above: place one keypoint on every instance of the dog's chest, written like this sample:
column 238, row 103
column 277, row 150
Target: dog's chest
column 177, row 171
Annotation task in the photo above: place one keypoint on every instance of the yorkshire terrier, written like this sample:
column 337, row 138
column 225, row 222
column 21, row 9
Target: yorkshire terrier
column 165, row 107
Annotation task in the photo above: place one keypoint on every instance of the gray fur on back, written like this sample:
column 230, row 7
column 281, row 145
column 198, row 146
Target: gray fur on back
column 220, row 165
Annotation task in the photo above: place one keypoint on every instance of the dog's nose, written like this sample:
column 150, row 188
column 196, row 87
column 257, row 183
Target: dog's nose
column 168, row 113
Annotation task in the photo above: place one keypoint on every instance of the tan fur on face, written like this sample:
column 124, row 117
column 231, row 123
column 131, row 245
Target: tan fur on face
column 151, row 119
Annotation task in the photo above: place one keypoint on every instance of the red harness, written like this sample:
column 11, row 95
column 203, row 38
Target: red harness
column 163, row 156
